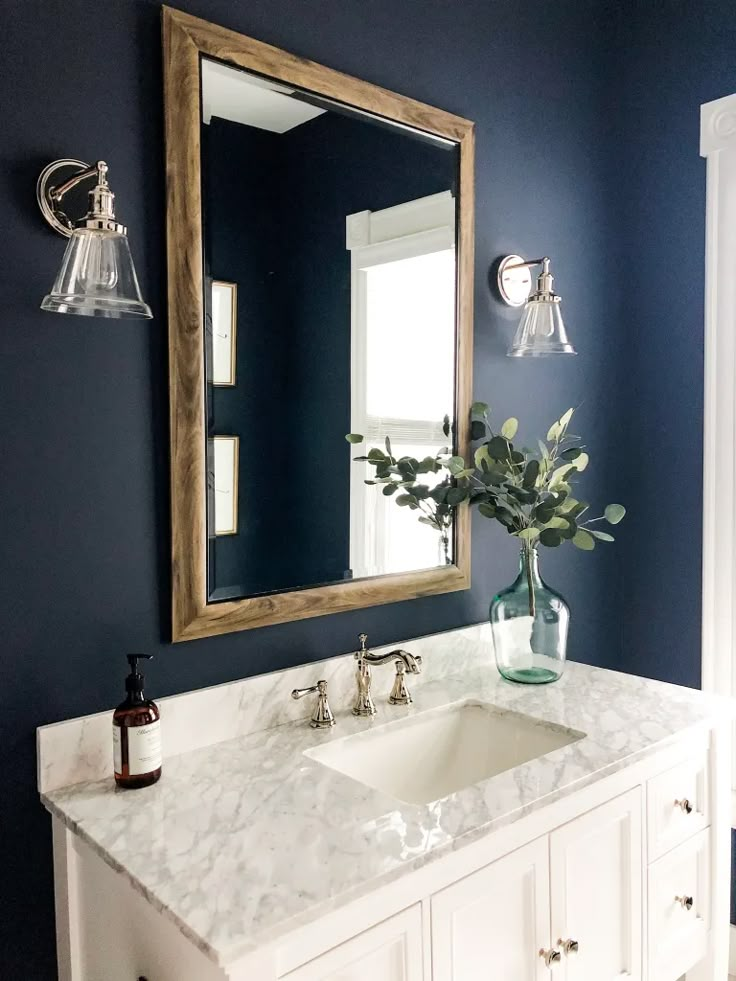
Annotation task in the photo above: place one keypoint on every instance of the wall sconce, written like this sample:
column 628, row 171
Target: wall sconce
column 541, row 330
column 97, row 277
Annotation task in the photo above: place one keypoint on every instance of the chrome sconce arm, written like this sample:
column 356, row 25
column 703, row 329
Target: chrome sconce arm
column 541, row 330
column 97, row 275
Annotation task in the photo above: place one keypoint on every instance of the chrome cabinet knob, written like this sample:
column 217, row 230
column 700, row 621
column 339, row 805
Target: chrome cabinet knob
column 569, row 946
column 685, row 901
column 550, row 957
column 685, row 806
column 322, row 717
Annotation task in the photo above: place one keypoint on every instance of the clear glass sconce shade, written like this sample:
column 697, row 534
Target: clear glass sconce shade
column 97, row 278
column 541, row 331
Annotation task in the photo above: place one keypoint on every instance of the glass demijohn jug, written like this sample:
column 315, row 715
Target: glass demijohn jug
column 529, row 623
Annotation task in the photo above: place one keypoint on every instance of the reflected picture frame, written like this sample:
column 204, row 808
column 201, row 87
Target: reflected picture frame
column 225, row 465
column 224, row 306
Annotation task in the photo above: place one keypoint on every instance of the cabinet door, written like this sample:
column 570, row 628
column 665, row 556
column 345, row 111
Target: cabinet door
column 390, row 951
column 494, row 923
column 596, row 873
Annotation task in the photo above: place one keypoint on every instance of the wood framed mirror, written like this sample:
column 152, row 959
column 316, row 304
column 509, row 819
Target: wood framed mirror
column 342, row 216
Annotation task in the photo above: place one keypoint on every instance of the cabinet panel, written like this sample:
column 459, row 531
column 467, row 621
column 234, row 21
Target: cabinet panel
column 678, row 804
column 679, row 908
column 596, row 872
column 493, row 923
column 390, row 951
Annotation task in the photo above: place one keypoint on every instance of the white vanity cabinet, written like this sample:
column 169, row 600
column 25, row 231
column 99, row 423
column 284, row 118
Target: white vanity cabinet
column 626, row 878
column 570, row 901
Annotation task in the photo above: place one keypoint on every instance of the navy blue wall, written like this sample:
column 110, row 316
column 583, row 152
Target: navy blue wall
column 84, row 574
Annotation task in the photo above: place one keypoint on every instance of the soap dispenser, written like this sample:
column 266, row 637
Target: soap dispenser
column 136, row 733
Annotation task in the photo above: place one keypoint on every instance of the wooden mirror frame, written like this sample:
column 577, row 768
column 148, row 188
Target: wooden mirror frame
column 185, row 40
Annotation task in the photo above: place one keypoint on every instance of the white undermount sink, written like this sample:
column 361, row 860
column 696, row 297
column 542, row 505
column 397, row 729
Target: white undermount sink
column 439, row 752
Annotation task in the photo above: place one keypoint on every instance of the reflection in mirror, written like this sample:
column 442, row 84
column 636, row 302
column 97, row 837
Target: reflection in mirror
column 330, row 298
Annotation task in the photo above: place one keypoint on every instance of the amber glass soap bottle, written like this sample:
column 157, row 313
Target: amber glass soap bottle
column 136, row 733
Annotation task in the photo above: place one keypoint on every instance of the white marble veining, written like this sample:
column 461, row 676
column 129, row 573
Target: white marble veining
column 242, row 841
column 80, row 750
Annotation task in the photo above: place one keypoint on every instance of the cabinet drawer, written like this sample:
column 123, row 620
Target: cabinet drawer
column 679, row 908
column 678, row 804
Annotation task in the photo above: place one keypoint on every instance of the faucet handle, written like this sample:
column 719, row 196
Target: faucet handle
column 400, row 694
column 322, row 717
column 363, row 641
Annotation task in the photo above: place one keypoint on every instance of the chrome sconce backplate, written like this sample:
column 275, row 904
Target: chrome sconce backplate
column 62, row 171
column 514, row 280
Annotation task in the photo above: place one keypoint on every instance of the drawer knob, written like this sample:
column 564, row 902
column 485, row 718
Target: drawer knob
column 550, row 957
column 685, row 901
column 569, row 946
column 685, row 806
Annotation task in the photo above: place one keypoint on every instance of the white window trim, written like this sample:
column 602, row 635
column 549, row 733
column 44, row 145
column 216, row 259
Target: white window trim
column 416, row 227
column 718, row 146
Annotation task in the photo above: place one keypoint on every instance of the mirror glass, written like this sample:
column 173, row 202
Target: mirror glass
column 330, row 303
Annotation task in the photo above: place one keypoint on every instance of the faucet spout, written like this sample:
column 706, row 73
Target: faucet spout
column 412, row 663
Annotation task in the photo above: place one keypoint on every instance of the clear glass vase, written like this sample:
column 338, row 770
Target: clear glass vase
column 529, row 623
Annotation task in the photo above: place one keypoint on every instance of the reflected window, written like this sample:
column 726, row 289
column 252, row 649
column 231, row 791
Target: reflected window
column 403, row 328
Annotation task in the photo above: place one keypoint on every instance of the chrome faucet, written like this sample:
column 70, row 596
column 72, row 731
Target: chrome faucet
column 364, row 704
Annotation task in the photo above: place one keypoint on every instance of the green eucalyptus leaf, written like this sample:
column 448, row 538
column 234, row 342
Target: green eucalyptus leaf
column 550, row 538
column 565, row 419
column 493, row 478
column 420, row 492
column 614, row 513
column 499, row 448
column 370, row 483
column 557, row 523
column 509, row 428
column 390, row 489
column 439, row 493
column 529, row 534
column 584, row 540
column 403, row 500
column 572, row 454
column 602, row 536
column 477, row 429
column 571, row 530
column 554, row 432
column 354, row 438
column 427, row 521
column 487, row 510
column 388, row 446
column 478, row 409
column 482, row 456
column 455, row 464
column 581, row 462
column 531, row 473
column 558, row 475
column 456, row 495
column 446, row 426
column 376, row 454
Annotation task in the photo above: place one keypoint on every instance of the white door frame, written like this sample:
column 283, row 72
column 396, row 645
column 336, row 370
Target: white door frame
column 718, row 146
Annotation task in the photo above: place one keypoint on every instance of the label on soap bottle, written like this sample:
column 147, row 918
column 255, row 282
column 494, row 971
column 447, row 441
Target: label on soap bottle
column 117, row 754
column 144, row 748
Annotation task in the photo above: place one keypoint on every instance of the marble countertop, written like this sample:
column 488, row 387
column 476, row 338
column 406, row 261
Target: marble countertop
column 242, row 841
